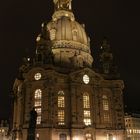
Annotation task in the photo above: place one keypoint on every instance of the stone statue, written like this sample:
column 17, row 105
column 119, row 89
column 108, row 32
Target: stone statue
column 32, row 125
column 62, row 4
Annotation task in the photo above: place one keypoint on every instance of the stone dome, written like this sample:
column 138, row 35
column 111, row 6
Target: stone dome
column 69, row 31
column 70, row 43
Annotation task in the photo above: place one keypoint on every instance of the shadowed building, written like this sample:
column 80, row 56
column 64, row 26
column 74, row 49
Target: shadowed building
column 72, row 101
column 4, row 129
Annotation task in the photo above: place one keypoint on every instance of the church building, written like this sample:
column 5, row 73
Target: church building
column 72, row 100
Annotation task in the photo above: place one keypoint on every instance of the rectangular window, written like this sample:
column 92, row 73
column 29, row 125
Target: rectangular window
column 37, row 103
column 87, row 121
column 38, row 110
column 86, row 113
column 38, row 121
column 105, row 105
column 86, row 103
column 106, row 117
column 61, row 117
column 61, row 102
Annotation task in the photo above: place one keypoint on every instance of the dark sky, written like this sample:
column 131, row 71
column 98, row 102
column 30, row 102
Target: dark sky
column 119, row 21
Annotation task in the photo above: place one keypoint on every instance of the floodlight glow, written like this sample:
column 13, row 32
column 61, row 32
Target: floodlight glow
column 75, row 138
column 114, row 138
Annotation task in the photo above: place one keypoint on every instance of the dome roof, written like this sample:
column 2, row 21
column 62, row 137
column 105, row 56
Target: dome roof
column 70, row 43
column 68, row 30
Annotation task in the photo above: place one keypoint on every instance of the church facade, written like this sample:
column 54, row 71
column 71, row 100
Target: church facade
column 72, row 100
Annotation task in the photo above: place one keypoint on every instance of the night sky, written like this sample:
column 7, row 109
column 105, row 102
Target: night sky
column 119, row 21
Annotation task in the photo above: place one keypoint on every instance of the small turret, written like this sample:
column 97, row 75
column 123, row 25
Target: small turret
column 107, row 65
column 44, row 46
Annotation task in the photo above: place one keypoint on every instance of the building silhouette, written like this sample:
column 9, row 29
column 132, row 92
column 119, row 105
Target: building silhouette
column 72, row 100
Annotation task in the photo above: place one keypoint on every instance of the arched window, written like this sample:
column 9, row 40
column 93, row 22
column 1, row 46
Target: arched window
column 37, row 104
column 61, row 99
column 61, row 108
column 86, row 109
column 105, row 108
column 86, row 103
column 74, row 33
column 105, row 102
column 38, row 94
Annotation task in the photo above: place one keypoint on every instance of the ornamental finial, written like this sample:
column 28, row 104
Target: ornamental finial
column 62, row 4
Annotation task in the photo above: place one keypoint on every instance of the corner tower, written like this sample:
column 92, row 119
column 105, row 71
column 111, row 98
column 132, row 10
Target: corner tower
column 72, row 101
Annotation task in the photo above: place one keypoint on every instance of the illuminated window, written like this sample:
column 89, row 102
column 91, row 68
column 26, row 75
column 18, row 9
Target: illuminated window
column 61, row 93
column 105, row 103
column 86, row 106
column 38, row 94
column 61, row 105
column 88, row 136
column 86, row 103
column 62, row 137
column 61, row 99
column 37, row 104
column 87, row 121
column 106, row 117
column 37, row 135
column 38, row 121
column 86, row 113
column 38, row 110
column 61, row 117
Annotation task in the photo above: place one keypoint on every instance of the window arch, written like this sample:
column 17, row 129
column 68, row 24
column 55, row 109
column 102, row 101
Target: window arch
column 74, row 33
column 60, row 92
column 38, row 94
column 104, row 97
